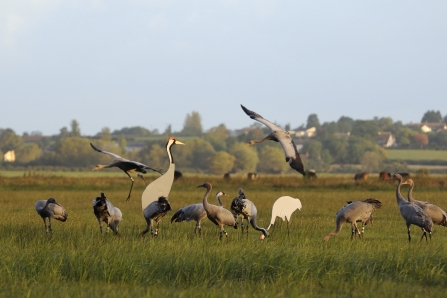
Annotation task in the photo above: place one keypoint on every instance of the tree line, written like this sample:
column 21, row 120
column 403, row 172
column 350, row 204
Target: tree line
column 336, row 147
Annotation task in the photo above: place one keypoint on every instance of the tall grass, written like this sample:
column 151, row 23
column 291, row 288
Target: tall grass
column 76, row 260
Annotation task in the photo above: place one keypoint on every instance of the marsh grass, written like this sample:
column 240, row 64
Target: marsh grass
column 77, row 261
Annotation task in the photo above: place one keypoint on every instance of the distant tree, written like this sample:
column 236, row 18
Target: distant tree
column 246, row 157
column 217, row 136
column 421, row 139
column 221, row 162
column 312, row 121
column 366, row 129
column 105, row 134
column 345, row 124
column 287, row 126
column 445, row 119
column 76, row 152
column 122, row 143
column 134, row 131
column 154, row 156
column 192, row 125
column 75, row 130
column 195, row 155
column 63, row 132
column 372, row 161
column 432, row 116
column 272, row 160
column 313, row 148
column 26, row 154
column 9, row 140
column 168, row 131
column 405, row 137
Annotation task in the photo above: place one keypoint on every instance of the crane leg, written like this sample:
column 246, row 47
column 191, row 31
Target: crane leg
column 288, row 231
column 131, row 185
column 409, row 234
column 45, row 223
column 141, row 176
column 49, row 226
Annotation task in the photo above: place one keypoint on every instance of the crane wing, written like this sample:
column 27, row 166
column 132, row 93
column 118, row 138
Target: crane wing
column 259, row 118
column 292, row 155
column 106, row 152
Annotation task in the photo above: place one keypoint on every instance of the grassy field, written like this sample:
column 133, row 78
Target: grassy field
column 417, row 154
column 77, row 261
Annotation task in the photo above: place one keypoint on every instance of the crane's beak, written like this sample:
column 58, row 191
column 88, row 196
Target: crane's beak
column 179, row 143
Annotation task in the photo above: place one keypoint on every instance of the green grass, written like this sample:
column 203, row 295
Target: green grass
column 417, row 154
column 77, row 261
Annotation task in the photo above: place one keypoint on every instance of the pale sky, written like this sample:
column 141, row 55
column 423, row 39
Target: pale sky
column 120, row 63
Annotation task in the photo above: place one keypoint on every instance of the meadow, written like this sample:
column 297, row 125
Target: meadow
column 405, row 154
column 77, row 261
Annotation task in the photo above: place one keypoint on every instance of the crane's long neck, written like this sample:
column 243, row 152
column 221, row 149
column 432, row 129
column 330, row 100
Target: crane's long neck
column 206, row 205
column 168, row 149
column 255, row 226
column 399, row 197
column 410, row 193
column 339, row 221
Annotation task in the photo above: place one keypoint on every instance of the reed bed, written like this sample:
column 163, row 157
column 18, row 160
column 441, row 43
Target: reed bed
column 77, row 261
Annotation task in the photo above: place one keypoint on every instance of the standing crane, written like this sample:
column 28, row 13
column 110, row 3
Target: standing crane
column 280, row 135
column 245, row 208
column 358, row 211
column 283, row 208
column 437, row 215
column 154, row 200
column 125, row 165
column 106, row 212
column 412, row 213
column 195, row 212
column 217, row 214
column 154, row 212
column 50, row 209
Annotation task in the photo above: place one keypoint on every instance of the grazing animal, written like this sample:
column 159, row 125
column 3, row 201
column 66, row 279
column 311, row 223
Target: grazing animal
column 412, row 213
column 280, row 135
column 252, row 176
column 310, row 174
column 50, row 209
column 217, row 214
column 127, row 166
column 177, row 175
column 405, row 175
column 383, row 176
column 106, row 212
column 226, row 176
column 161, row 186
column 353, row 212
column 283, row 208
column 360, row 177
column 245, row 208
column 194, row 212
column 437, row 215
column 154, row 212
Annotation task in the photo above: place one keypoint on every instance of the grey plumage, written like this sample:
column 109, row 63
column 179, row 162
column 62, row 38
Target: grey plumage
column 352, row 213
column 125, row 165
column 412, row 213
column 280, row 135
column 437, row 215
column 106, row 212
column 154, row 212
column 246, row 209
column 50, row 209
column 217, row 214
column 194, row 212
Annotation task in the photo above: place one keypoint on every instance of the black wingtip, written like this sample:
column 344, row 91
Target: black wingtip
column 95, row 148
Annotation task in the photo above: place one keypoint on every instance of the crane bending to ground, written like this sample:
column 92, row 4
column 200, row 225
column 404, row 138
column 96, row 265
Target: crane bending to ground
column 412, row 213
column 437, row 215
column 125, row 165
column 245, row 208
column 283, row 208
column 217, row 214
column 195, row 212
column 50, row 209
column 352, row 213
column 106, row 212
column 154, row 200
column 282, row 136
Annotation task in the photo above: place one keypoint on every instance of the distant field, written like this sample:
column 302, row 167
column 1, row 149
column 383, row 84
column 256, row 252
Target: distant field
column 417, row 154
column 77, row 261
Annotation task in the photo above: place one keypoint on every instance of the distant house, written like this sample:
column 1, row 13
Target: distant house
column 9, row 156
column 306, row 133
column 385, row 139
column 429, row 126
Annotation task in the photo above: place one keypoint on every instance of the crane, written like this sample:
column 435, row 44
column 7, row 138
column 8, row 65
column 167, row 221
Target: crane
column 106, row 212
column 50, row 209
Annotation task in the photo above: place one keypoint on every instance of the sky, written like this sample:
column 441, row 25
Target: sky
column 116, row 64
